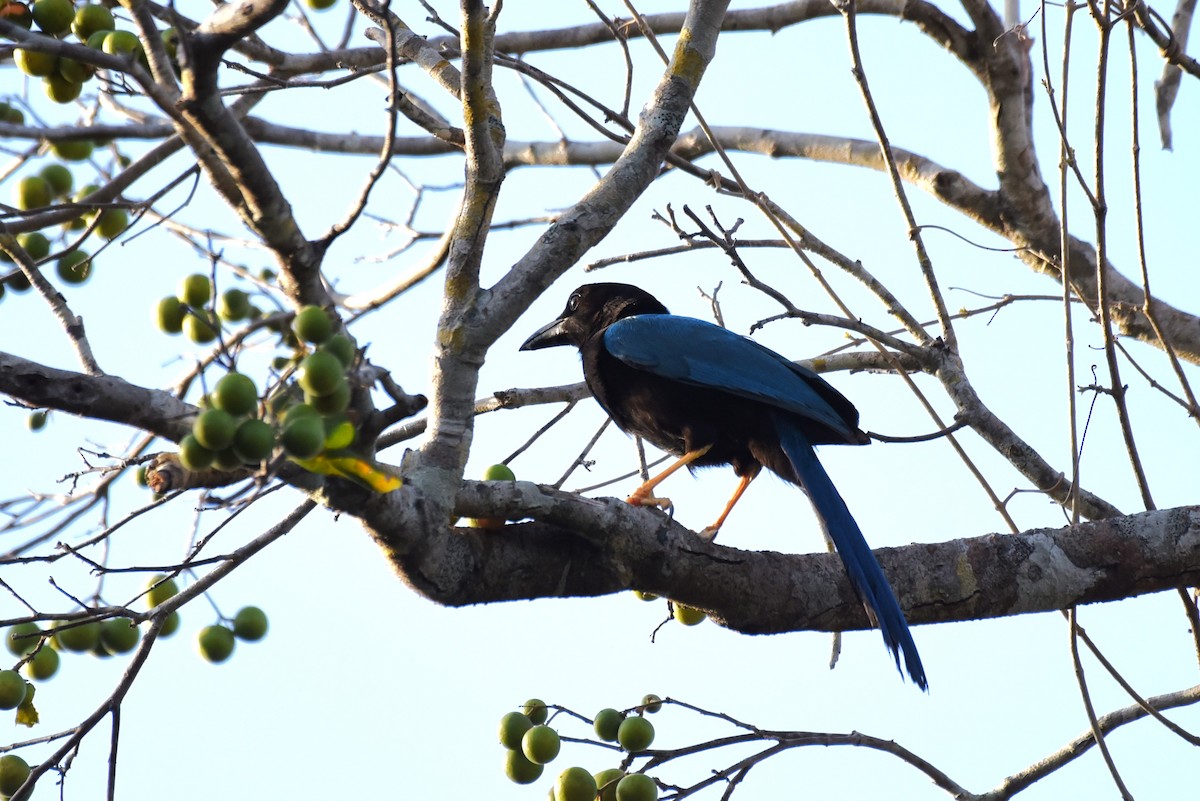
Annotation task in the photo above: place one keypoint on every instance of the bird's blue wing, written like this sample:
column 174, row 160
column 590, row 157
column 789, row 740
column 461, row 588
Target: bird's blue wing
column 699, row 353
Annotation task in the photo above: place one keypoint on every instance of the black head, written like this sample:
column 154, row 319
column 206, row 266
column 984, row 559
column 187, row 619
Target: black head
column 591, row 309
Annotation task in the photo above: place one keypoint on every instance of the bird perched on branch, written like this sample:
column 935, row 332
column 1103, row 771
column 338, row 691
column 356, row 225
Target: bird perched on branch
column 712, row 397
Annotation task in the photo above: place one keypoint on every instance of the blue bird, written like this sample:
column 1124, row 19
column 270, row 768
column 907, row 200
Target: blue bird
column 712, row 397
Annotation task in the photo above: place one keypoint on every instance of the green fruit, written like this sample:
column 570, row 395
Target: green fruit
column 235, row 393
column 635, row 734
column 12, row 689
column 60, row 179
column 18, row 282
column 499, row 472
column 170, row 625
column 121, row 43
column 233, row 305
column 161, row 589
column 519, row 769
column 535, row 709
column 250, row 624
column 33, row 191
column 79, row 638
column 44, row 664
column 200, row 327
column 73, row 150
column 75, row 71
column 37, row 420
column 312, row 324
column 297, row 411
column 36, row 245
column 112, row 222
column 35, row 64
column 651, row 703
column 22, row 638
column 53, row 16
column 215, row 643
column 170, row 40
column 687, row 615
column 13, row 773
column 170, row 313
column 636, row 787
column 74, row 267
column 541, row 744
column 195, row 290
column 342, row 348
column 193, row 455
column 512, row 728
column 119, row 635
column 606, row 724
column 320, row 5
column 214, row 429
column 575, row 784
column 227, row 459
column 91, row 19
column 303, row 438
column 320, row 373
column 59, row 89
column 253, row 441
column 606, row 783
column 334, row 402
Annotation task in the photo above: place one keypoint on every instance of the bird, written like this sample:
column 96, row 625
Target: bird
column 712, row 397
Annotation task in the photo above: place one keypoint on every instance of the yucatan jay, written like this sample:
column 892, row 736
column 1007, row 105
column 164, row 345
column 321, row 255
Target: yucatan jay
column 713, row 397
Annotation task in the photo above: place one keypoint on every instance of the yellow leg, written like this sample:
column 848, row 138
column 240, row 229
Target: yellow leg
column 710, row 533
column 644, row 495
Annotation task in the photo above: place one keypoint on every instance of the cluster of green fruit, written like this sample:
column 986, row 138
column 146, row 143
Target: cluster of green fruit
column 190, row 312
column 232, row 432
column 532, row 744
column 55, row 182
column 117, row 635
column 216, row 641
column 103, row 638
column 92, row 24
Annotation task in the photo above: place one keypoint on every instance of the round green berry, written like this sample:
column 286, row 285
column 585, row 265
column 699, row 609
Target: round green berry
column 312, row 324
column 215, row 643
column 541, row 744
column 235, row 393
column 606, row 724
column 214, row 429
column 12, row 689
column 512, row 728
column 635, row 734
column 250, row 624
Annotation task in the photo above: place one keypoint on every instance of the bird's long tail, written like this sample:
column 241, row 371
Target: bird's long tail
column 865, row 573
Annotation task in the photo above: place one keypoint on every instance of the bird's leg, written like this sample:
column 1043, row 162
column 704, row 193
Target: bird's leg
column 710, row 533
column 644, row 495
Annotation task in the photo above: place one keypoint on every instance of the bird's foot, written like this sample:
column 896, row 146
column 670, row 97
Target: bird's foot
column 708, row 533
column 640, row 499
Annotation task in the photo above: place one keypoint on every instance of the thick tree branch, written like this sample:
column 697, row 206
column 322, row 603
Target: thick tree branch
column 585, row 547
column 102, row 397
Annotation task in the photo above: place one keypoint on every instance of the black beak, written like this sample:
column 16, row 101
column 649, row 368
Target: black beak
column 548, row 336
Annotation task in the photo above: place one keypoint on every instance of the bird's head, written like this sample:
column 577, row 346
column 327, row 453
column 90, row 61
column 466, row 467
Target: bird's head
column 591, row 309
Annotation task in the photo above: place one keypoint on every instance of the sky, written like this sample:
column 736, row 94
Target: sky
column 363, row 688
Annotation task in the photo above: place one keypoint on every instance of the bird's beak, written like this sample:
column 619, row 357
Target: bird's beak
column 548, row 336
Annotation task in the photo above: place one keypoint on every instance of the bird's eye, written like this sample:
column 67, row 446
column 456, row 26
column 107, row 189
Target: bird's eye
column 573, row 303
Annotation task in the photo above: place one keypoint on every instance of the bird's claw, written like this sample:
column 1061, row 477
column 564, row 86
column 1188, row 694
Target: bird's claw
column 664, row 504
column 708, row 533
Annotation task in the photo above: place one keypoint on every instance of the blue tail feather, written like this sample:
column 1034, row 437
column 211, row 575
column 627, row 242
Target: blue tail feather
column 865, row 573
